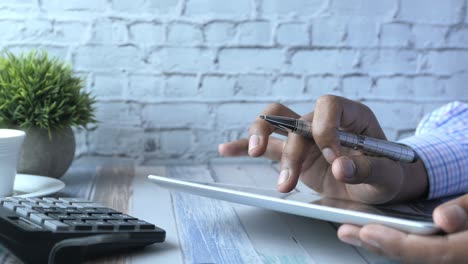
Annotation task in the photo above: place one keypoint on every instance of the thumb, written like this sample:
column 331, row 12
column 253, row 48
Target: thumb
column 365, row 169
column 453, row 215
column 382, row 177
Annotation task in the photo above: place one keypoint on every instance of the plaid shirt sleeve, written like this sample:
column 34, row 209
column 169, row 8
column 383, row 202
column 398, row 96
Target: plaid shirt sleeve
column 441, row 142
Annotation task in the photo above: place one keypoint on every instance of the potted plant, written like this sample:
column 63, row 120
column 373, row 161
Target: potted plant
column 41, row 96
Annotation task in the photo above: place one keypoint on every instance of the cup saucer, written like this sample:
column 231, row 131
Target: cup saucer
column 27, row 185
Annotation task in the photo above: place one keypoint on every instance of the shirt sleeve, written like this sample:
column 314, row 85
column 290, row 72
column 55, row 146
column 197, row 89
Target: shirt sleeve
column 441, row 142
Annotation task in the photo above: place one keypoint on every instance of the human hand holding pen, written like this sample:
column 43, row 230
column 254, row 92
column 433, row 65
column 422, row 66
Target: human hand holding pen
column 323, row 164
column 371, row 146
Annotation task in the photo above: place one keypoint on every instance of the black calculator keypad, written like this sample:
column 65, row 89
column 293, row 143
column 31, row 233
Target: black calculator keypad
column 70, row 229
column 72, row 214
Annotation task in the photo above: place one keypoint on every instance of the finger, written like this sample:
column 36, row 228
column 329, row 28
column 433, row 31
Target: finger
column 388, row 180
column 333, row 113
column 365, row 169
column 350, row 234
column 384, row 177
column 407, row 247
column 292, row 160
column 260, row 130
column 414, row 248
column 453, row 215
column 234, row 148
column 240, row 148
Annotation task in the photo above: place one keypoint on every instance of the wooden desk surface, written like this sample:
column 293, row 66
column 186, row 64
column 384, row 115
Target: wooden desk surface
column 203, row 230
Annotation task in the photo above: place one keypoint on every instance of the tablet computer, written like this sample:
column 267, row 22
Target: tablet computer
column 413, row 218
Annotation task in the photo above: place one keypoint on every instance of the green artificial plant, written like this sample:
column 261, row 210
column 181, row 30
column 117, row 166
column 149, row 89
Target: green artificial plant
column 39, row 91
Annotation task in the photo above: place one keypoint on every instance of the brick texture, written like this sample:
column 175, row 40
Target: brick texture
column 174, row 78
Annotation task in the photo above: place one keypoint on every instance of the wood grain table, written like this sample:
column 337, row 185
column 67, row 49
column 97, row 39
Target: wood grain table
column 203, row 230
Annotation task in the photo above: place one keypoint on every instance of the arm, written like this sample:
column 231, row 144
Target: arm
column 441, row 142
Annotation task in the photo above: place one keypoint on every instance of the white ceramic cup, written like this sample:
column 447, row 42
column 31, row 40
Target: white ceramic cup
column 11, row 141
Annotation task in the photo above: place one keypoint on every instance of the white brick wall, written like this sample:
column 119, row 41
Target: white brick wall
column 174, row 78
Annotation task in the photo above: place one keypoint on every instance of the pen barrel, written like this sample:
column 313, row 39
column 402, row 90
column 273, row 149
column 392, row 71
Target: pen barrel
column 303, row 128
column 378, row 147
column 372, row 146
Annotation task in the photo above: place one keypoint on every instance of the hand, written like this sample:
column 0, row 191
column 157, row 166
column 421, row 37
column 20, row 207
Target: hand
column 326, row 167
column 451, row 248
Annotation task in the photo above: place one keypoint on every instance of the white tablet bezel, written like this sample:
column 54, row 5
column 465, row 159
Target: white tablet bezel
column 312, row 210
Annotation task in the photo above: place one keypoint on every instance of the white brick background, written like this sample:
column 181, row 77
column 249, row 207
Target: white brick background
column 174, row 78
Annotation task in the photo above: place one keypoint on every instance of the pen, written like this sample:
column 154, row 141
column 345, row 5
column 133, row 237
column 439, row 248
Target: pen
column 372, row 146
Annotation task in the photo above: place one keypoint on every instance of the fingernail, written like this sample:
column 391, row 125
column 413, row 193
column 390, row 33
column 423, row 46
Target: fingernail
column 349, row 168
column 284, row 175
column 455, row 215
column 351, row 240
column 329, row 155
column 253, row 142
column 220, row 147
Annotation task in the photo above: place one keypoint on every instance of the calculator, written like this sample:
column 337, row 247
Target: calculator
column 70, row 230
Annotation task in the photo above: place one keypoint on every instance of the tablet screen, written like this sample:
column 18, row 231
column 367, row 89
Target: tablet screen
column 419, row 211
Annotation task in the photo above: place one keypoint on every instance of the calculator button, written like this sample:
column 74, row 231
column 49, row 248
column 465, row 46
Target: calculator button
column 78, row 225
column 142, row 224
column 46, row 205
column 32, row 200
column 64, row 205
column 71, row 210
column 100, row 225
column 28, row 204
column 56, row 225
column 62, row 217
column 2, row 200
column 105, row 216
column 48, row 210
column 18, row 207
column 122, row 225
column 11, row 205
column 15, row 199
column 108, row 210
column 124, row 217
column 90, row 210
column 50, row 199
column 39, row 218
column 83, row 216
column 24, row 211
